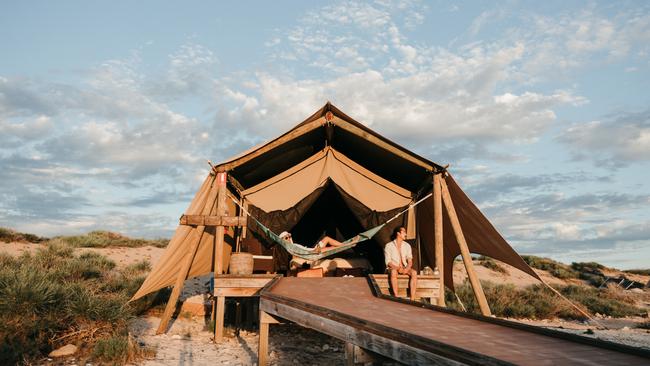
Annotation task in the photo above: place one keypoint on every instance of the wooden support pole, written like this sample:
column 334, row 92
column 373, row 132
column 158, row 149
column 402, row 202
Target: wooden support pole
column 219, row 312
column 218, row 253
column 464, row 251
column 195, row 239
column 438, row 236
column 180, row 279
column 263, row 345
column 349, row 354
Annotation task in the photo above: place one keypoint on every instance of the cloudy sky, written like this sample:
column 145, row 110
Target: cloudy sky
column 108, row 112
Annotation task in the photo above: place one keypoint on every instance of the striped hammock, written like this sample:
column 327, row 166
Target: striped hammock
column 310, row 254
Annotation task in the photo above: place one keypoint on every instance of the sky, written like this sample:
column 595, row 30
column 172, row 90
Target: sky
column 109, row 110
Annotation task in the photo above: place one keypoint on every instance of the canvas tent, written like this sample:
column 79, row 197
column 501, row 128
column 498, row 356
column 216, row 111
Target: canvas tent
column 330, row 173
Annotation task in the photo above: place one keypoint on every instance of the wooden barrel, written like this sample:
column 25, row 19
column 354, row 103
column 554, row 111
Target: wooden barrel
column 241, row 263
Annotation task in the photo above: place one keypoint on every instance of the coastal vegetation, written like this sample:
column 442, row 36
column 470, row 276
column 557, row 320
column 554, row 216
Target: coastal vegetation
column 56, row 297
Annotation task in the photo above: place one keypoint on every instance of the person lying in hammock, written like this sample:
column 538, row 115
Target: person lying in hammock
column 323, row 245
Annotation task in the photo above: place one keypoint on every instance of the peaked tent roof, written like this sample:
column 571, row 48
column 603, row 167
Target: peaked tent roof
column 329, row 146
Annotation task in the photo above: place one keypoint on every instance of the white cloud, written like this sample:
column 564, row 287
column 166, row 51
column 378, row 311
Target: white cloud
column 618, row 140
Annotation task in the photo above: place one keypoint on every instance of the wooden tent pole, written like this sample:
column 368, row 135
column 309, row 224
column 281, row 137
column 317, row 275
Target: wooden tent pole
column 218, row 308
column 464, row 251
column 438, row 238
column 195, row 239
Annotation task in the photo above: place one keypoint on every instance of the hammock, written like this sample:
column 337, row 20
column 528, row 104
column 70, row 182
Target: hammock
column 310, row 254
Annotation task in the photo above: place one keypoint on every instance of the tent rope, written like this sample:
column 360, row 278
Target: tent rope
column 572, row 304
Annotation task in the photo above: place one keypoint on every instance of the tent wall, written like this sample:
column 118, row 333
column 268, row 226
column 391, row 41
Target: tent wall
column 482, row 237
column 165, row 272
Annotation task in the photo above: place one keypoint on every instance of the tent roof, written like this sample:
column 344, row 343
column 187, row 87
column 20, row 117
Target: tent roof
column 351, row 138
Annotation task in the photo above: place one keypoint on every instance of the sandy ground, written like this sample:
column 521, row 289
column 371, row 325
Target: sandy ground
column 187, row 342
column 121, row 256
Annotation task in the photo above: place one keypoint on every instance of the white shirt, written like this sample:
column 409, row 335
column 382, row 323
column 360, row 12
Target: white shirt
column 392, row 255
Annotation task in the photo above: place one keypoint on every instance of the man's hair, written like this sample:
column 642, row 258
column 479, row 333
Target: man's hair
column 396, row 230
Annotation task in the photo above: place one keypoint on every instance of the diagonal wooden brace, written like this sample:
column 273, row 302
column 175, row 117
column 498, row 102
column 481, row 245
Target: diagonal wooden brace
column 205, row 220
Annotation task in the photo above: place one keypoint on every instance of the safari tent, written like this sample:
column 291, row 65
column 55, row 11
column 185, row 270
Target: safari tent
column 330, row 174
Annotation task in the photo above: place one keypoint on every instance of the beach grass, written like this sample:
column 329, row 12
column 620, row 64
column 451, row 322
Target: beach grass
column 538, row 302
column 54, row 297
column 557, row 269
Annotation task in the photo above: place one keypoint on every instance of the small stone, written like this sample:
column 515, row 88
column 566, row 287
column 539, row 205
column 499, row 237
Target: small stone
column 176, row 336
column 625, row 329
column 67, row 350
column 326, row 347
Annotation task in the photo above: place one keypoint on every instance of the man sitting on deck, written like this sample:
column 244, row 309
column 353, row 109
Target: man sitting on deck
column 399, row 260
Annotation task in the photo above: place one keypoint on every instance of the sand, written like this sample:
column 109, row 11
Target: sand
column 188, row 342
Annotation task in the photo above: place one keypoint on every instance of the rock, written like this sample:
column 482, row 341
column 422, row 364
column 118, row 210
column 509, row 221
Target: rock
column 326, row 347
column 67, row 350
column 176, row 336
column 625, row 329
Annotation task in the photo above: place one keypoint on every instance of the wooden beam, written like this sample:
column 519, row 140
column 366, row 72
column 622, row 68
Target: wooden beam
column 218, row 250
column 263, row 346
column 381, row 143
column 464, row 251
column 195, row 239
column 196, row 220
column 246, row 157
column 438, row 237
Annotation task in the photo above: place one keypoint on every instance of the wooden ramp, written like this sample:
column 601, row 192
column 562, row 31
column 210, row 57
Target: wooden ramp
column 347, row 308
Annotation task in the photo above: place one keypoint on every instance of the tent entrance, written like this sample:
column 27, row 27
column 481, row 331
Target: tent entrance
column 330, row 215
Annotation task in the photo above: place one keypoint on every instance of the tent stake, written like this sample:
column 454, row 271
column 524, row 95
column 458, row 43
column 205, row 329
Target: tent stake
column 464, row 251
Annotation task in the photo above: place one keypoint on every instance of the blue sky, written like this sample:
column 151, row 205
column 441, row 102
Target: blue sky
column 109, row 111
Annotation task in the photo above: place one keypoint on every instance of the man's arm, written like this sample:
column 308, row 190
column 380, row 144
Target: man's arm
column 409, row 261
column 409, row 265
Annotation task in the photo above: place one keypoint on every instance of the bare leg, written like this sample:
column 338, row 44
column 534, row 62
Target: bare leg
column 393, row 282
column 413, row 283
column 330, row 242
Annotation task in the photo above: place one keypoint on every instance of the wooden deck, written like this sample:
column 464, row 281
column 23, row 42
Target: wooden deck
column 228, row 285
column 347, row 308
column 428, row 286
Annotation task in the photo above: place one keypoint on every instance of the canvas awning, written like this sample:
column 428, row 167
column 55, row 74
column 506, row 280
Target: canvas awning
column 287, row 188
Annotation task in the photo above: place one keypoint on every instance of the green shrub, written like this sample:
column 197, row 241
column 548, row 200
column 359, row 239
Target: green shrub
column 538, row 302
column 491, row 264
column 141, row 266
column 113, row 349
column 119, row 349
column 555, row 268
column 643, row 272
column 9, row 235
column 104, row 239
column 53, row 293
column 591, row 267
column 602, row 301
